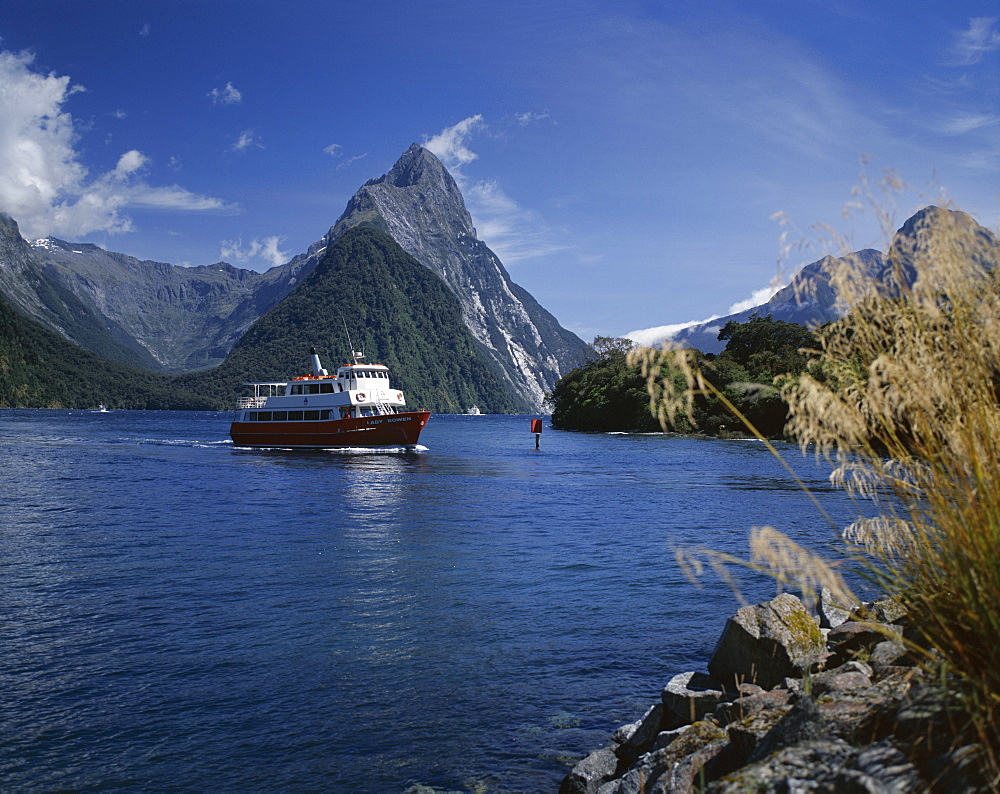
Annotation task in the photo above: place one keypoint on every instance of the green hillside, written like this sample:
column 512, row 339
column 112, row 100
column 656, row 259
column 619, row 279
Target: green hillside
column 397, row 311
column 40, row 369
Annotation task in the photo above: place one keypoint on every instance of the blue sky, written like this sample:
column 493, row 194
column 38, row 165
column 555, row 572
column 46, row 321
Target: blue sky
column 626, row 160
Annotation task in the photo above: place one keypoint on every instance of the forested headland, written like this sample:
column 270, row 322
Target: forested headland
column 607, row 395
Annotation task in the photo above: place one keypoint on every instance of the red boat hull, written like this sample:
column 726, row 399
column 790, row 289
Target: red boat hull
column 391, row 430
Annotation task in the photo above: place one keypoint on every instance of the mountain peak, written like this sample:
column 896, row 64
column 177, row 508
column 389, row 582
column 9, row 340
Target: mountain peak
column 420, row 206
column 417, row 188
column 417, row 166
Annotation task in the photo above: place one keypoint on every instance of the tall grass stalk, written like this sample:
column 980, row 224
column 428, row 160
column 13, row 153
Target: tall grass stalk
column 904, row 399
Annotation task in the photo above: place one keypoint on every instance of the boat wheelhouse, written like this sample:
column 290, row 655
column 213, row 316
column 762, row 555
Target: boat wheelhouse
column 357, row 406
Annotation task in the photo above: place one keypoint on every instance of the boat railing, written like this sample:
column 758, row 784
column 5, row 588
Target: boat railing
column 250, row 402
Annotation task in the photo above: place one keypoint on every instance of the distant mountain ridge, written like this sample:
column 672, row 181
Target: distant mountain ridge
column 184, row 318
column 810, row 299
column 35, row 293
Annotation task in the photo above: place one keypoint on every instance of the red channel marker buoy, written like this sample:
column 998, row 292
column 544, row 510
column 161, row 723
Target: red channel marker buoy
column 536, row 428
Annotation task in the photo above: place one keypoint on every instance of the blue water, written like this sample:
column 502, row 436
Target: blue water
column 472, row 616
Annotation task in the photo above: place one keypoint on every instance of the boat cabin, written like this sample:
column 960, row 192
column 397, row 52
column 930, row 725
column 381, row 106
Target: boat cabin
column 356, row 390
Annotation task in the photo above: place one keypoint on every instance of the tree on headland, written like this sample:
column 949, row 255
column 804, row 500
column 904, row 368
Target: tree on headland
column 603, row 395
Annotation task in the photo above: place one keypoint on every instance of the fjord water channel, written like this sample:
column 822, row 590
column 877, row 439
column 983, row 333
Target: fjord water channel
column 473, row 615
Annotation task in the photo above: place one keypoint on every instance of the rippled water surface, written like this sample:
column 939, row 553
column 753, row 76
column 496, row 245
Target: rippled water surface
column 474, row 615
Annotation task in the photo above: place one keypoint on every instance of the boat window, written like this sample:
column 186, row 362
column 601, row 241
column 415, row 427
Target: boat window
column 325, row 414
column 297, row 388
column 279, row 416
column 326, row 388
column 295, row 416
column 312, row 415
column 263, row 416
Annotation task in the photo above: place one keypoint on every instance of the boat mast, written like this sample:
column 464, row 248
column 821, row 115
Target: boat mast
column 356, row 355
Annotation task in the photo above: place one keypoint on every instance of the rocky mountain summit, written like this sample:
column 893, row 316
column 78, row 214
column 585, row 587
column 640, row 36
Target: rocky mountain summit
column 794, row 701
column 421, row 207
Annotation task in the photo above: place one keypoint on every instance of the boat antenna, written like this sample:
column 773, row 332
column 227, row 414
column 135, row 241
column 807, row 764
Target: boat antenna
column 356, row 355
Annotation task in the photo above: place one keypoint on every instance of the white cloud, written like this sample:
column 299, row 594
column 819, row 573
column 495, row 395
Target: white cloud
column 449, row 144
column 352, row 160
column 43, row 184
column 652, row 337
column 975, row 42
column 511, row 231
column 245, row 141
column 266, row 249
column 758, row 298
column 968, row 122
column 144, row 30
column 334, row 150
column 130, row 162
column 529, row 117
column 226, row 96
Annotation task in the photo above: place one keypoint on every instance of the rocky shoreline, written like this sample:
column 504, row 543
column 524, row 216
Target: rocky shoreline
column 795, row 702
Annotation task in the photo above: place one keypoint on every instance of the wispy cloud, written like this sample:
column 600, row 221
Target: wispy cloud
column 334, row 150
column 266, row 249
column 975, row 42
column 351, row 160
column 967, row 122
column 43, row 184
column 144, row 31
column 650, row 337
column 245, row 142
column 229, row 95
column 449, row 144
column 512, row 232
column 530, row 117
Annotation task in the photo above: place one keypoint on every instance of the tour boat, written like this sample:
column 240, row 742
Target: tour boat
column 356, row 407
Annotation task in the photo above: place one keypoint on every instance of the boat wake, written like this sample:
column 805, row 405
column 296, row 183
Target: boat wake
column 181, row 442
column 400, row 450
column 375, row 450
